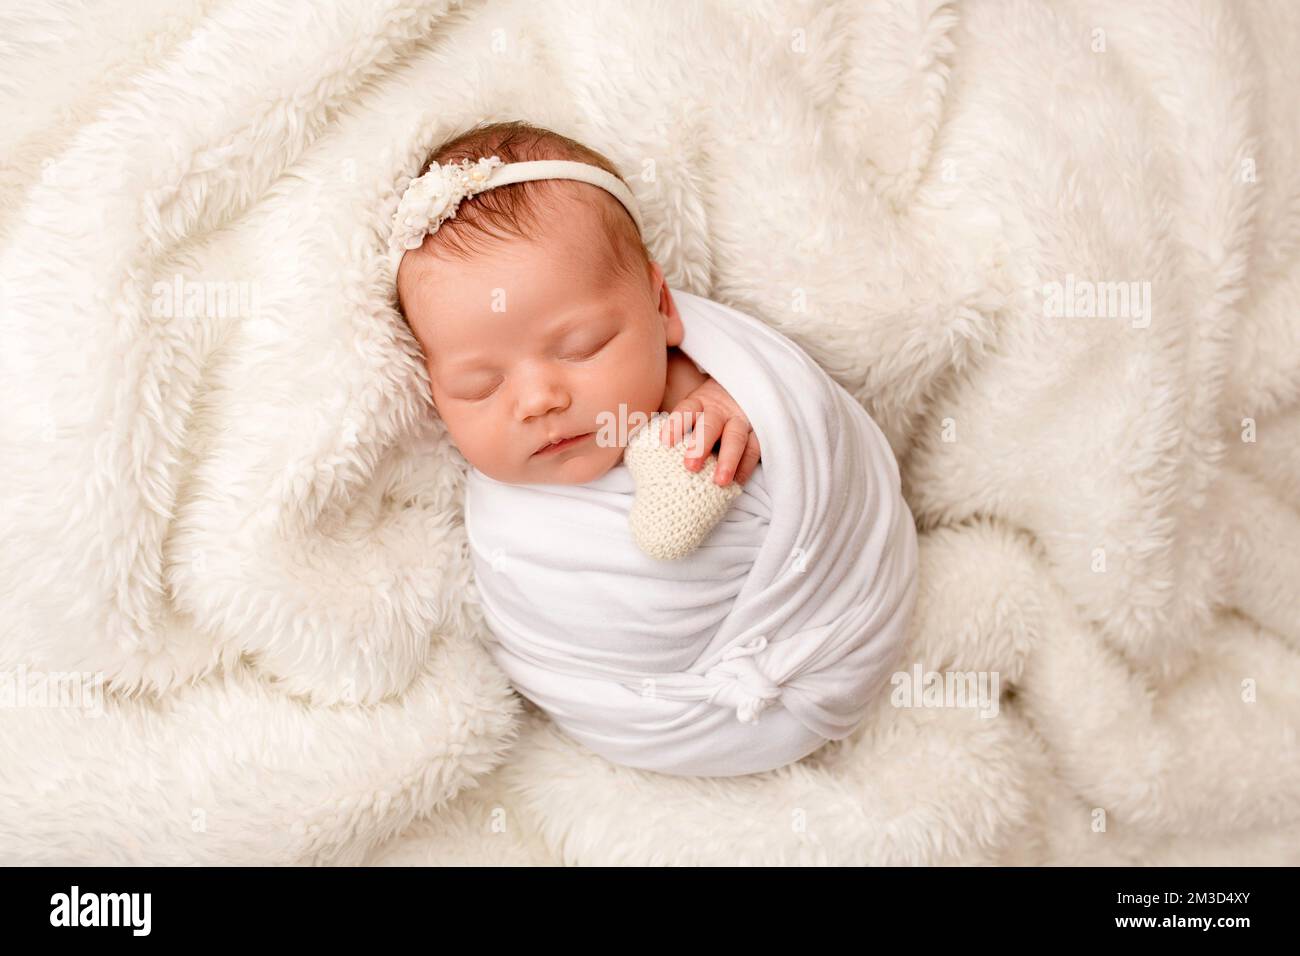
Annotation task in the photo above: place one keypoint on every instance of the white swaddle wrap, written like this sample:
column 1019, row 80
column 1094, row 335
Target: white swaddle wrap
column 771, row 638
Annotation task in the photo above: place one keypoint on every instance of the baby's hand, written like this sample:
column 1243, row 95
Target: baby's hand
column 715, row 414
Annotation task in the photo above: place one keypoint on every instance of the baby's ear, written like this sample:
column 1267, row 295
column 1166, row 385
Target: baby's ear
column 673, row 329
column 672, row 339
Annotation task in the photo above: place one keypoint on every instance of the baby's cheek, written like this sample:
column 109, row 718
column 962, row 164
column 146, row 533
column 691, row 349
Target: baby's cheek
column 472, row 440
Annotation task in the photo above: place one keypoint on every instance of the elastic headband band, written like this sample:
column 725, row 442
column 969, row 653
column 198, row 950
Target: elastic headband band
column 432, row 199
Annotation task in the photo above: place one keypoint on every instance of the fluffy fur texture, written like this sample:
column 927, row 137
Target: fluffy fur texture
column 250, row 524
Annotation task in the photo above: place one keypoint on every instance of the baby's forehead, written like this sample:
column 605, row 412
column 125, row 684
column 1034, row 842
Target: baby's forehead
column 457, row 300
column 485, row 293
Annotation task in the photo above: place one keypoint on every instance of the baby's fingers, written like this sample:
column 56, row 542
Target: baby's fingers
column 749, row 460
column 735, row 437
column 708, row 425
column 671, row 431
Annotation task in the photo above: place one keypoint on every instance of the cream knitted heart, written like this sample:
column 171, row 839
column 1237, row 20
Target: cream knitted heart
column 673, row 510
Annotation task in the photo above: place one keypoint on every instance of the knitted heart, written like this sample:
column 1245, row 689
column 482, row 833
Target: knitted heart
column 673, row 509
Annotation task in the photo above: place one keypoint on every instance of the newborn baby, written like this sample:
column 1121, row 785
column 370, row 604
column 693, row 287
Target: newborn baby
column 521, row 270
column 542, row 318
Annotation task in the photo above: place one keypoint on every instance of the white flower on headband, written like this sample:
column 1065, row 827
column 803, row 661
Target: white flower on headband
column 432, row 199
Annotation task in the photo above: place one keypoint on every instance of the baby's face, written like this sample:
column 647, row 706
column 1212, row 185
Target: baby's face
column 532, row 340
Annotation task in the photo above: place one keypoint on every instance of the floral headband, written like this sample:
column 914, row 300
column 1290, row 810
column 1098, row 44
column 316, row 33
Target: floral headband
column 432, row 199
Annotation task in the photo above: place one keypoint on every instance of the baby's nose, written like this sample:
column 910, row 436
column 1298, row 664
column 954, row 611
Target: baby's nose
column 540, row 395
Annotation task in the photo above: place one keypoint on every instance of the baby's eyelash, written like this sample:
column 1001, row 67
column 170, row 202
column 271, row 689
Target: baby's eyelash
column 477, row 398
column 571, row 358
column 589, row 354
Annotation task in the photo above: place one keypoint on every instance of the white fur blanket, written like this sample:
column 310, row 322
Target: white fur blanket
column 774, row 636
column 224, row 490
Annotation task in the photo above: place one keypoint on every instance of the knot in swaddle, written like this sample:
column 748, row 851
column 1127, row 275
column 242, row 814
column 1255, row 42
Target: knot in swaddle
column 776, row 634
column 749, row 690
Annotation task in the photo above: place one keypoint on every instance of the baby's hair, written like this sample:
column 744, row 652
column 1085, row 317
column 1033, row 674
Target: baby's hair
column 515, row 210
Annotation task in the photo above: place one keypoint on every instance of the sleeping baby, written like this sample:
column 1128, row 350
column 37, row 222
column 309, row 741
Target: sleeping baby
column 553, row 274
column 670, row 602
